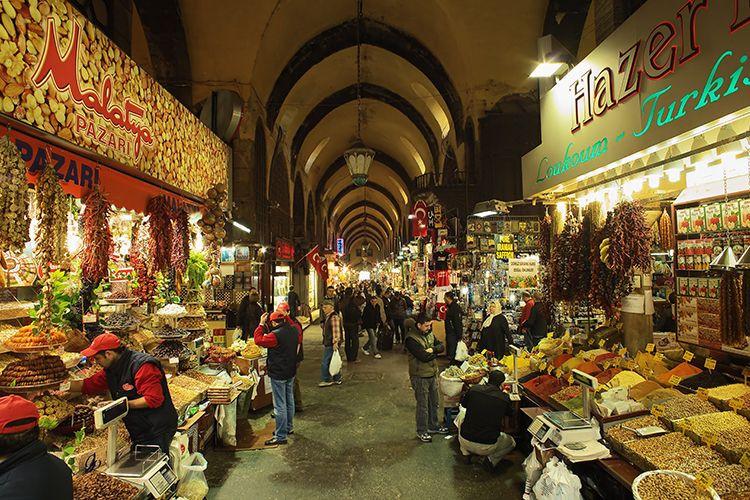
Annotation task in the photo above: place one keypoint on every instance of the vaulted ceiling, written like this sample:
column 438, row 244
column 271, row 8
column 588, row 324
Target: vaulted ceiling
column 427, row 67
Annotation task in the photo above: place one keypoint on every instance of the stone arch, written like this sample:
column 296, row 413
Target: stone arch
column 450, row 174
column 298, row 209
column 470, row 145
column 259, row 180
column 310, row 219
column 279, row 200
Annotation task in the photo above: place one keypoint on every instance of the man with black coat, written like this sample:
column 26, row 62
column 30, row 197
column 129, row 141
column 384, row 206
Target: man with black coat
column 370, row 322
column 352, row 317
column 453, row 325
column 139, row 377
column 480, row 431
column 282, row 341
column 292, row 298
column 249, row 313
column 27, row 470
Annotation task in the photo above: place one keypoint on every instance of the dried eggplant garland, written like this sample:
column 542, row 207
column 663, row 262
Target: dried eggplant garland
column 666, row 231
column 731, row 310
column 180, row 242
column 746, row 301
column 14, row 198
column 160, row 233
column 52, row 210
column 138, row 258
column 97, row 237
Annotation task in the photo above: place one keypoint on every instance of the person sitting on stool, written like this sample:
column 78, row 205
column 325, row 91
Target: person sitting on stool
column 480, row 431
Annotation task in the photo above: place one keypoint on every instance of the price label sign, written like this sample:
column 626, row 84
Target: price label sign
column 591, row 341
column 745, row 460
column 703, row 481
column 657, row 410
column 617, row 362
column 571, row 380
column 659, row 356
column 550, row 369
column 558, row 373
column 710, row 439
column 542, row 366
column 736, row 404
column 623, row 351
column 675, row 380
column 602, row 343
column 688, row 356
column 686, row 426
column 650, row 347
column 710, row 364
column 702, row 394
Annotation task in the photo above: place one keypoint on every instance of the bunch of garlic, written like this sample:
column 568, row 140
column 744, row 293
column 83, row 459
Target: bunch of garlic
column 212, row 226
column 14, row 198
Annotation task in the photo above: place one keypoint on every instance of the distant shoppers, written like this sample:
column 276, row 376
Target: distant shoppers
column 423, row 349
column 250, row 311
column 27, row 470
column 332, row 335
column 397, row 310
column 282, row 341
column 453, row 325
column 480, row 431
column 409, row 304
column 352, row 318
column 292, row 298
column 370, row 322
column 495, row 335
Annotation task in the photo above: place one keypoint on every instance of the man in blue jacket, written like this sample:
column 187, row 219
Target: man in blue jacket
column 27, row 470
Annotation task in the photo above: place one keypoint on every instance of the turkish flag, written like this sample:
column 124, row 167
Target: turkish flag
column 419, row 222
column 319, row 262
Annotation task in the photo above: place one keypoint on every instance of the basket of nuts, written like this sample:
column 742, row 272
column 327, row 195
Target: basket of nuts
column 669, row 485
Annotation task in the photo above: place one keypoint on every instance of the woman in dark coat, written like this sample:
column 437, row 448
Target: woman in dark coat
column 248, row 316
column 495, row 335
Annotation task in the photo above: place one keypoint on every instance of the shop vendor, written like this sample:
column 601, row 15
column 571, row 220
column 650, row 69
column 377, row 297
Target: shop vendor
column 151, row 418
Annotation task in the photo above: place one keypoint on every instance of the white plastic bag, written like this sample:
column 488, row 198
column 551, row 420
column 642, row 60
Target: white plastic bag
column 226, row 417
column 193, row 485
column 179, row 452
column 450, row 387
column 533, row 470
column 462, row 351
column 334, row 368
column 557, row 483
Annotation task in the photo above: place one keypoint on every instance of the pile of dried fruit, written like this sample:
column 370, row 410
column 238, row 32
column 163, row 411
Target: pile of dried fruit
column 54, row 407
column 120, row 321
column 29, row 337
column 668, row 487
column 97, row 237
column 14, row 198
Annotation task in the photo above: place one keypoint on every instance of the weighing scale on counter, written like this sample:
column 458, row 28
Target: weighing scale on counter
column 573, row 435
column 145, row 466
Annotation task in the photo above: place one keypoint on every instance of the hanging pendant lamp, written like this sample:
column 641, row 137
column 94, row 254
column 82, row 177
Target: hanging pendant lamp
column 744, row 262
column 726, row 260
column 359, row 157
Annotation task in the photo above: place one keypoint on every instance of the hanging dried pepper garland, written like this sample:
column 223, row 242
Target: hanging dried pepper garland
column 51, row 206
column 160, row 233
column 564, row 261
column 746, row 301
column 138, row 258
column 731, row 310
column 97, row 237
column 630, row 239
column 14, row 198
column 180, row 241
column 666, row 231
column 545, row 239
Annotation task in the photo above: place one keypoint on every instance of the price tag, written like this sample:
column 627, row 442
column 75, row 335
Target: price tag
column 650, row 347
column 617, row 362
column 688, row 356
column 542, row 366
column 710, row 364
column 602, row 343
column 745, row 460
column 675, row 380
column 710, row 439
column 702, row 394
column 736, row 404
column 659, row 356
column 550, row 369
column 591, row 341
column 703, row 481
column 657, row 410
column 623, row 351
column 686, row 425
column 606, row 364
column 580, row 354
column 571, row 380
column 558, row 373
column 550, row 335
column 174, row 361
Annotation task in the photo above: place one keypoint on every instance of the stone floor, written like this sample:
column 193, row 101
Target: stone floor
column 357, row 440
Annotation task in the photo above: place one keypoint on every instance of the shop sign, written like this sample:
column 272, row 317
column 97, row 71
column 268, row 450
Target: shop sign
column 668, row 69
column 63, row 76
column 523, row 273
column 284, row 250
column 340, row 246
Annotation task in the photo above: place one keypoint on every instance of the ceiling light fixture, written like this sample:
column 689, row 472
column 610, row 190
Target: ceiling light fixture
column 359, row 158
column 546, row 69
column 241, row 227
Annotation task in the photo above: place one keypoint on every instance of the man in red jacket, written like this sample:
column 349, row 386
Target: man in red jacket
column 293, row 321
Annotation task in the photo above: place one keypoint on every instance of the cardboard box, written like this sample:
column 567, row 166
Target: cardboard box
column 713, row 217
column 697, row 219
column 730, row 215
column 683, row 221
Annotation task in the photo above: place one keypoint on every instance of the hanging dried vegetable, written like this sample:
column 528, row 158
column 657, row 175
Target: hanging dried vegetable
column 97, row 237
column 212, row 224
column 630, row 240
column 746, row 301
column 138, row 257
column 160, row 233
column 14, row 198
column 731, row 310
column 607, row 288
column 666, row 231
column 545, row 239
column 566, row 264
column 180, row 241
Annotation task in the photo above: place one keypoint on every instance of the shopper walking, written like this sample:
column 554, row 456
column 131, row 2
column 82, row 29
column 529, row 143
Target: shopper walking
column 352, row 318
column 331, row 339
column 370, row 322
column 284, row 308
column 397, row 309
column 249, row 313
column 423, row 348
column 292, row 298
column 480, row 429
column 282, row 341
column 495, row 334
column 453, row 326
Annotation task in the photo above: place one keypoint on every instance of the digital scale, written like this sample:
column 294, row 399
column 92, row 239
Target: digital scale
column 145, row 466
column 514, row 395
column 562, row 427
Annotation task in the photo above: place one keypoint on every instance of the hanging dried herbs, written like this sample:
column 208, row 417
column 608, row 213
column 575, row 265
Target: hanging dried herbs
column 97, row 237
column 180, row 242
column 14, row 198
column 160, row 233
column 731, row 310
column 666, row 231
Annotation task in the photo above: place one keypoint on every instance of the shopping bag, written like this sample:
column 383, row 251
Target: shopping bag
column 462, row 351
column 334, row 368
column 194, row 485
column 557, row 483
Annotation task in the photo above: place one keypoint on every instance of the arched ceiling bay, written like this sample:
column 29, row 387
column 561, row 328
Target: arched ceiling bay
column 341, row 197
column 351, row 241
column 382, row 128
column 341, row 179
column 359, row 222
column 376, row 197
column 364, row 240
column 365, row 208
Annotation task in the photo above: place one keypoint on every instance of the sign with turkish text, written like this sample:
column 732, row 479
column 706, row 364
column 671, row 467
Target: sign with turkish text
column 284, row 250
column 523, row 273
column 340, row 246
column 671, row 67
column 60, row 74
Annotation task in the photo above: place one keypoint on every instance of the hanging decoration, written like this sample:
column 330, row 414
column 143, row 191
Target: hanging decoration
column 212, row 224
column 160, row 234
column 14, row 198
column 138, row 259
column 180, row 242
column 97, row 237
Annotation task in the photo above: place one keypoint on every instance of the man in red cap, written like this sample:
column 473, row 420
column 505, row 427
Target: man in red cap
column 151, row 418
column 27, row 470
column 282, row 341
column 284, row 307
